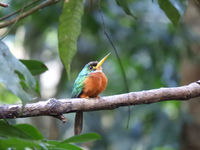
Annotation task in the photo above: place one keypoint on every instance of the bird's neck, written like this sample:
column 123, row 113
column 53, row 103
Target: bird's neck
column 86, row 74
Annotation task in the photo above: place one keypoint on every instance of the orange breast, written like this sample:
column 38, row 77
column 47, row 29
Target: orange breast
column 94, row 84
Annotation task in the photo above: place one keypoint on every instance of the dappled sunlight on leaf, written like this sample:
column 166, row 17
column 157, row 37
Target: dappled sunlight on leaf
column 15, row 76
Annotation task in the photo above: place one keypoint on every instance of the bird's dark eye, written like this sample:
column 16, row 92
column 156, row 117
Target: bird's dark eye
column 90, row 67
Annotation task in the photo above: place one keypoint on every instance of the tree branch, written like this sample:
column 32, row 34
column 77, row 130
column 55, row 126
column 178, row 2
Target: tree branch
column 19, row 10
column 3, row 4
column 28, row 12
column 58, row 107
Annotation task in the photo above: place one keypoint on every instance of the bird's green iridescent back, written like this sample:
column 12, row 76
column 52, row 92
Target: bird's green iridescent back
column 78, row 85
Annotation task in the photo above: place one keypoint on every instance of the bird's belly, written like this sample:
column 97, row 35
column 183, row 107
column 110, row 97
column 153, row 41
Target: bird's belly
column 94, row 84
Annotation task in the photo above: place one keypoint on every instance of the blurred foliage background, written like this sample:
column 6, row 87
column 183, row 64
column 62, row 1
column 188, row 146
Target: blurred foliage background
column 154, row 53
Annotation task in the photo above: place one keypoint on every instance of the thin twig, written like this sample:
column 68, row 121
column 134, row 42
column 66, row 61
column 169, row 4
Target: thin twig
column 27, row 13
column 11, row 27
column 118, row 58
column 19, row 10
column 61, row 117
column 3, row 4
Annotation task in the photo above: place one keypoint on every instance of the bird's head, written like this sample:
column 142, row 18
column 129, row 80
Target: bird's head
column 94, row 66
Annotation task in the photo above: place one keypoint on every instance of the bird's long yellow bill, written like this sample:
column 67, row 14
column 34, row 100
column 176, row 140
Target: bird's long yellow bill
column 102, row 61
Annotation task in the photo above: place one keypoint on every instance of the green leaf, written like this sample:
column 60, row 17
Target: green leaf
column 170, row 11
column 83, row 138
column 37, row 89
column 17, row 144
column 25, row 131
column 65, row 146
column 53, row 145
column 34, row 66
column 15, row 76
column 124, row 5
column 52, row 142
column 30, row 131
column 68, row 146
column 163, row 148
column 69, row 30
column 7, row 130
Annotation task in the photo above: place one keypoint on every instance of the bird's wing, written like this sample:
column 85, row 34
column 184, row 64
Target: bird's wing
column 78, row 86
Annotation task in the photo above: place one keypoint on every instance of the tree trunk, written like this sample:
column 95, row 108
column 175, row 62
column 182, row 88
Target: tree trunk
column 190, row 71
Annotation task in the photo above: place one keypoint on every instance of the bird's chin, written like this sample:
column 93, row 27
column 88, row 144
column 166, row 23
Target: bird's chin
column 99, row 69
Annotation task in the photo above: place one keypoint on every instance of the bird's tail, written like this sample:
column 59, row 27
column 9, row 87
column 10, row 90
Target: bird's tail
column 78, row 123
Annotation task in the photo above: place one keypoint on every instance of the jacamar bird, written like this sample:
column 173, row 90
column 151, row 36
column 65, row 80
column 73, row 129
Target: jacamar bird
column 90, row 82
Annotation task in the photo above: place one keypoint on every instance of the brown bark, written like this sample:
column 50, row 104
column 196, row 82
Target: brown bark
column 190, row 71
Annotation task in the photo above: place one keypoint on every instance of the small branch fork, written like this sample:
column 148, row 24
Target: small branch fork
column 19, row 10
column 58, row 107
column 26, row 13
